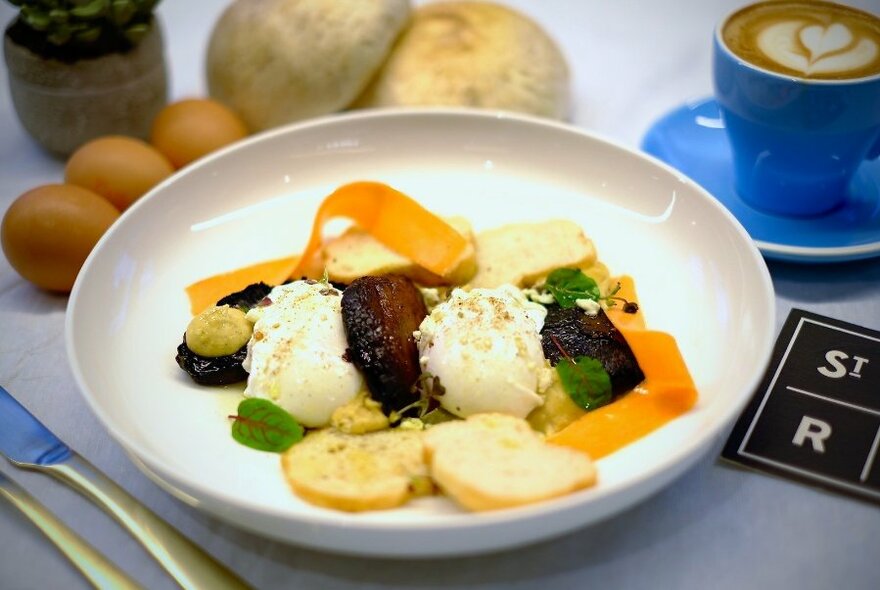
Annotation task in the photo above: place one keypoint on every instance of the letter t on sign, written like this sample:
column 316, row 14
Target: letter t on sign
column 818, row 431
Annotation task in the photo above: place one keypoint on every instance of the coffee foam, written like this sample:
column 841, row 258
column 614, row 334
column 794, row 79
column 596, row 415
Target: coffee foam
column 806, row 39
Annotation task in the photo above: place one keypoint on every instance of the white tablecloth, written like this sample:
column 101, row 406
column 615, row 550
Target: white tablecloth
column 715, row 527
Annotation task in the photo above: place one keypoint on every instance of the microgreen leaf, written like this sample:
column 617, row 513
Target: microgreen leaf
column 610, row 299
column 570, row 284
column 260, row 424
column 437, row 416
column 585, row 381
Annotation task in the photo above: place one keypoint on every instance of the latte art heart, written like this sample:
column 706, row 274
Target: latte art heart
column 806, row 39
column 824, row 40
column 814, row 49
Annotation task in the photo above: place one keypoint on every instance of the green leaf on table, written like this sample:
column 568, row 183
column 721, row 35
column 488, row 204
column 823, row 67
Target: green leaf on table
column 585, row 381
column 567, row 285
column 260, row 424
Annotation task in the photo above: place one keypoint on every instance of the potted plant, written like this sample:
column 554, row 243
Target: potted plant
column 79, row 69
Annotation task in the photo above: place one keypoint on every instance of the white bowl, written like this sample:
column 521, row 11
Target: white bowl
column 698, row 274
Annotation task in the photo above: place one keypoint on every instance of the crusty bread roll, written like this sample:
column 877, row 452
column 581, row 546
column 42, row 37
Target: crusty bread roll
column 278, row 61
column 357, row 472
column 473, row 54
column 493, row 461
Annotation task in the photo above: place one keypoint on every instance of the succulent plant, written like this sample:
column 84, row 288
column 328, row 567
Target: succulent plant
column 82, row 22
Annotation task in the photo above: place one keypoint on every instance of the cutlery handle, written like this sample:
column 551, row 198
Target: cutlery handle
column 190, row 566
column 102, row 574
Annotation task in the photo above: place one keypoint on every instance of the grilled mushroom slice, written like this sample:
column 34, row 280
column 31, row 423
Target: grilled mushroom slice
column 227, row 369
column 380, row 315
column 247, row 298
column 580, row 334
column 212, row 370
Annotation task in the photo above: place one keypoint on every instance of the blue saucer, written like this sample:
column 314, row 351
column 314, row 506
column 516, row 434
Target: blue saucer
column 692, row 139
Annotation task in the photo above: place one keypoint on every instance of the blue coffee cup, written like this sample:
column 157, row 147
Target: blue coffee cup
column 796, row 142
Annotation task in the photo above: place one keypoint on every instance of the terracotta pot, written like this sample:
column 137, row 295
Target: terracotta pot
column 63, row 105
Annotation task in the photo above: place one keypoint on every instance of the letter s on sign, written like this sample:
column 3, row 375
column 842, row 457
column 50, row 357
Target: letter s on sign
column 837, row 370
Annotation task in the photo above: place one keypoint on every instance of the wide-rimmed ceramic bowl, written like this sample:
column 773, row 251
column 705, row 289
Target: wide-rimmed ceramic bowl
column 698, row 274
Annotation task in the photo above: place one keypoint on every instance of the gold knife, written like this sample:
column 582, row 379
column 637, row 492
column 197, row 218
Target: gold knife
column 27, row 443
column 97, row 569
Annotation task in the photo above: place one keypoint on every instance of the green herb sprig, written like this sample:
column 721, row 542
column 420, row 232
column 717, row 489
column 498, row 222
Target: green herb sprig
column 584, row 379
column 260, row 424
column 429, row 389
column 567, row 285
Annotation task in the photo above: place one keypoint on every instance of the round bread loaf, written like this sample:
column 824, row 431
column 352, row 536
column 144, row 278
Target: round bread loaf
column 473, row 54
column 278, row 61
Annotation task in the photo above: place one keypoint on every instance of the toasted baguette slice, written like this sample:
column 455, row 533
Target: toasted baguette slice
column 521, row 253
column 353, row 472
column 493, row 461
column 356, row 253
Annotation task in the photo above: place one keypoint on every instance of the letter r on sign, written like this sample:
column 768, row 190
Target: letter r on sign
column 814, row 429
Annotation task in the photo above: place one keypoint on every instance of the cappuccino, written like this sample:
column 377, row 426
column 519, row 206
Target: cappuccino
column 813, row 40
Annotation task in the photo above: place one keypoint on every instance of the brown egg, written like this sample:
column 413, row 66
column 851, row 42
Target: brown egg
column 187, row 130
column 49, row 231
column 120, row 169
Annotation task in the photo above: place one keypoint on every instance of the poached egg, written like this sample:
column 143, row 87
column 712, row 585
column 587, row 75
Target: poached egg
column 484, row 345
column 296, row 355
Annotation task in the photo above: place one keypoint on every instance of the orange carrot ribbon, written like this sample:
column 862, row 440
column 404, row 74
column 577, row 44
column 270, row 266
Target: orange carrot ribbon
column 391, row 217
column 394, row 219
column 667, row 392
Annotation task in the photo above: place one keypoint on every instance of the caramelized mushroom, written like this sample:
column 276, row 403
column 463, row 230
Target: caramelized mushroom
column 380, row 315
column 581, row 334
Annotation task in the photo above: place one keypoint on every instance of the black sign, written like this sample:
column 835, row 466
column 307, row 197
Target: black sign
column 816, row 416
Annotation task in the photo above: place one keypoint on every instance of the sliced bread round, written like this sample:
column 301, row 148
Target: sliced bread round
column 356, row 472
column 493, row 461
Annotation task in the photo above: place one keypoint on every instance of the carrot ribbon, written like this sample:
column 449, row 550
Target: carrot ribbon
column 391, row 217
column 666, row 393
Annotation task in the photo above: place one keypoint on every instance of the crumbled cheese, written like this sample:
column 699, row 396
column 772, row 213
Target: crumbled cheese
column 539, row 295
column 411, row 424
column 431, row 297
column 589, row 306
